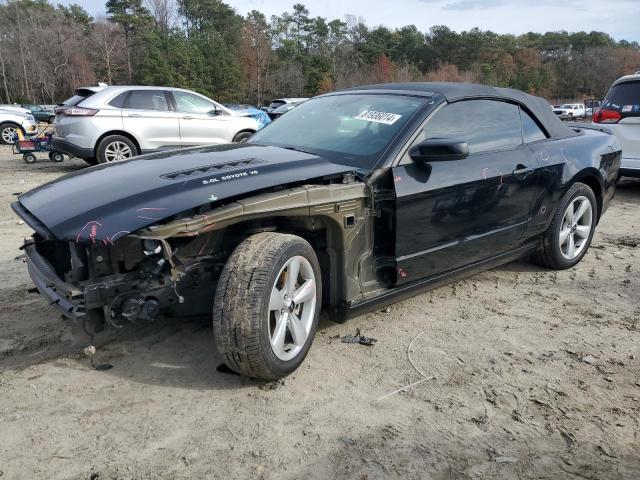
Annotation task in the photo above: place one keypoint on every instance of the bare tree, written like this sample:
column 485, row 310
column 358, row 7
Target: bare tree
column 106, row 49
column 165, row 12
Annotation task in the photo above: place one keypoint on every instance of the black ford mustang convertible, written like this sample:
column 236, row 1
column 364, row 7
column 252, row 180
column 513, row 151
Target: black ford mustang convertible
column 351, row 200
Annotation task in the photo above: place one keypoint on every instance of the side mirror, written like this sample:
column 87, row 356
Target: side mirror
column 439, row 150
column 215, row 112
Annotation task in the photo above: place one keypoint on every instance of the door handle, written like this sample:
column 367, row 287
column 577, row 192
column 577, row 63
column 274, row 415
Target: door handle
column 522, row 170
column 134, row 115
column 187, row 118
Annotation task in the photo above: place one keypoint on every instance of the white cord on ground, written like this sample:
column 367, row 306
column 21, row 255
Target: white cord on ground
column 424, row 379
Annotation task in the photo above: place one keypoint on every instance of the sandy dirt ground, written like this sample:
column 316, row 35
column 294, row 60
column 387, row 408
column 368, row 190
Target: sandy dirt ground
column 527, row 373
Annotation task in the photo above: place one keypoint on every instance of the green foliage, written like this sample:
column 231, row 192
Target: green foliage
column 205, row 45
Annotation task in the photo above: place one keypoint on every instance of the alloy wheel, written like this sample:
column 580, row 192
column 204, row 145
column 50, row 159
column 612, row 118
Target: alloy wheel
column 117, row 151
column 9, row 134
column 576, row 227
column 292, row 307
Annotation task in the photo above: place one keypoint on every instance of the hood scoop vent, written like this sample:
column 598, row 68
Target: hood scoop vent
column 217, row 167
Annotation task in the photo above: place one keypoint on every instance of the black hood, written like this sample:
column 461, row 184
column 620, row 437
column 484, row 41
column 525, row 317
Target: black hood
column 103, row 203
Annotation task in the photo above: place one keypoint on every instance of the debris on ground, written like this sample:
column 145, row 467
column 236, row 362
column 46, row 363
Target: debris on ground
column 359, row 338
column 555, row 388
column 505, row 459
column 272, row 385
column 590, row 359
column 347, row 440
column 605, row 450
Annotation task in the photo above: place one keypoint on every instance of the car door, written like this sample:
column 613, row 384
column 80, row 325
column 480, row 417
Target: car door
column 450, row 214
column 149, row 117
column 202, row 122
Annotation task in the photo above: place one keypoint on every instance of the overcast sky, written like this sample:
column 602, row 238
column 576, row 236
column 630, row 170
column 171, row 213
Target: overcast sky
column 619, row 18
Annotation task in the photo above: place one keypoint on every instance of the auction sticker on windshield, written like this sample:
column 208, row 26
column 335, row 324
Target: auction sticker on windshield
column 379, row 117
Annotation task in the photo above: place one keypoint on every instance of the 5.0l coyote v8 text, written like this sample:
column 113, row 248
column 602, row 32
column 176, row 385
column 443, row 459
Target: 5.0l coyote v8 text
column 352, row 199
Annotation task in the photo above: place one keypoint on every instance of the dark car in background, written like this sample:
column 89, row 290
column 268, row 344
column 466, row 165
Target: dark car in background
column 279, row 102
column 284, row 108
column 40, row 113
column 383, row 192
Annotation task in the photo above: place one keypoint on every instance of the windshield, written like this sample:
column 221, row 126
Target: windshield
column 350, row 129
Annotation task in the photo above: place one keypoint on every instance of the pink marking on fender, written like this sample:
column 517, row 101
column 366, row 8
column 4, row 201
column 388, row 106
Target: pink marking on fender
column 402, row 273
column 95, row 225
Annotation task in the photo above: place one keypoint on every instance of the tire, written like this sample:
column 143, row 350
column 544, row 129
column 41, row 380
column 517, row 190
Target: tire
column 7, row 131
column 55, row 156
column 248, row 307
column 242, row 137
column 115, row 148
column 51, row 119
column 553, row 253
column 29, row 158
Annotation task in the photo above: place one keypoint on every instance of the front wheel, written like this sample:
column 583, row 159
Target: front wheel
column 242, row 137
column 267, row 305
column 569, row 235
column 8, row 133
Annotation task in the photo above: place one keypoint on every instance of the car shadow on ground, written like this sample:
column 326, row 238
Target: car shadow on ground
column 628, row 188
column 171, row 352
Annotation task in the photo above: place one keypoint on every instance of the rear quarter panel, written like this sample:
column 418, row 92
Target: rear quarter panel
column 592, row 157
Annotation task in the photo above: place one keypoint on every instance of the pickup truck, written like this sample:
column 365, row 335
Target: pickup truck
column 383, row 192
column 571, row 110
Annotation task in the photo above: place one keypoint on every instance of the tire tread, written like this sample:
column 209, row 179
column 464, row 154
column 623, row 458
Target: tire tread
column 237, row 310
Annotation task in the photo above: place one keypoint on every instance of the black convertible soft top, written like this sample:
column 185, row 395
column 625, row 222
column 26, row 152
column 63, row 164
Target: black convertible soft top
column 458, row 91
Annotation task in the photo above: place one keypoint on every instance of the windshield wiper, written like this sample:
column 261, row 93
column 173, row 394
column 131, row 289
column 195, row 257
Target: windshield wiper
column 298, row 149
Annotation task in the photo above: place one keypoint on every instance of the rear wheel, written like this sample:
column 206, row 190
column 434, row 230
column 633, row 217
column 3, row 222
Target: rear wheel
column 267, row 305
column 115, row 148
column 29, row 158
column 569, row 235
column 56, row 156
column 242, row 137
column 8, row 133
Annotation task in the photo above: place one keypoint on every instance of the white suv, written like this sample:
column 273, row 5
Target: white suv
column 12, row 120
column 102, row 124
column 620, row 112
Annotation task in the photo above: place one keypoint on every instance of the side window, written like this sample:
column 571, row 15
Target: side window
column 147, row 100
column 486, row 125
column 531, row 132
column 189, row 103
column 118, row 101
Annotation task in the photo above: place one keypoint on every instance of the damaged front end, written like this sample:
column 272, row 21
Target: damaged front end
column 171, row 267
column 118, row 282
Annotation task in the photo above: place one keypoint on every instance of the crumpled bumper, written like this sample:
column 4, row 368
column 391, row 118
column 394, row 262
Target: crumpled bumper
column 68, row 299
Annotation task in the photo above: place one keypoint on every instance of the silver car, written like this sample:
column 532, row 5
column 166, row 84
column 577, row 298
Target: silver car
column 12, row 120
column 107, row 123
column 620, row 112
